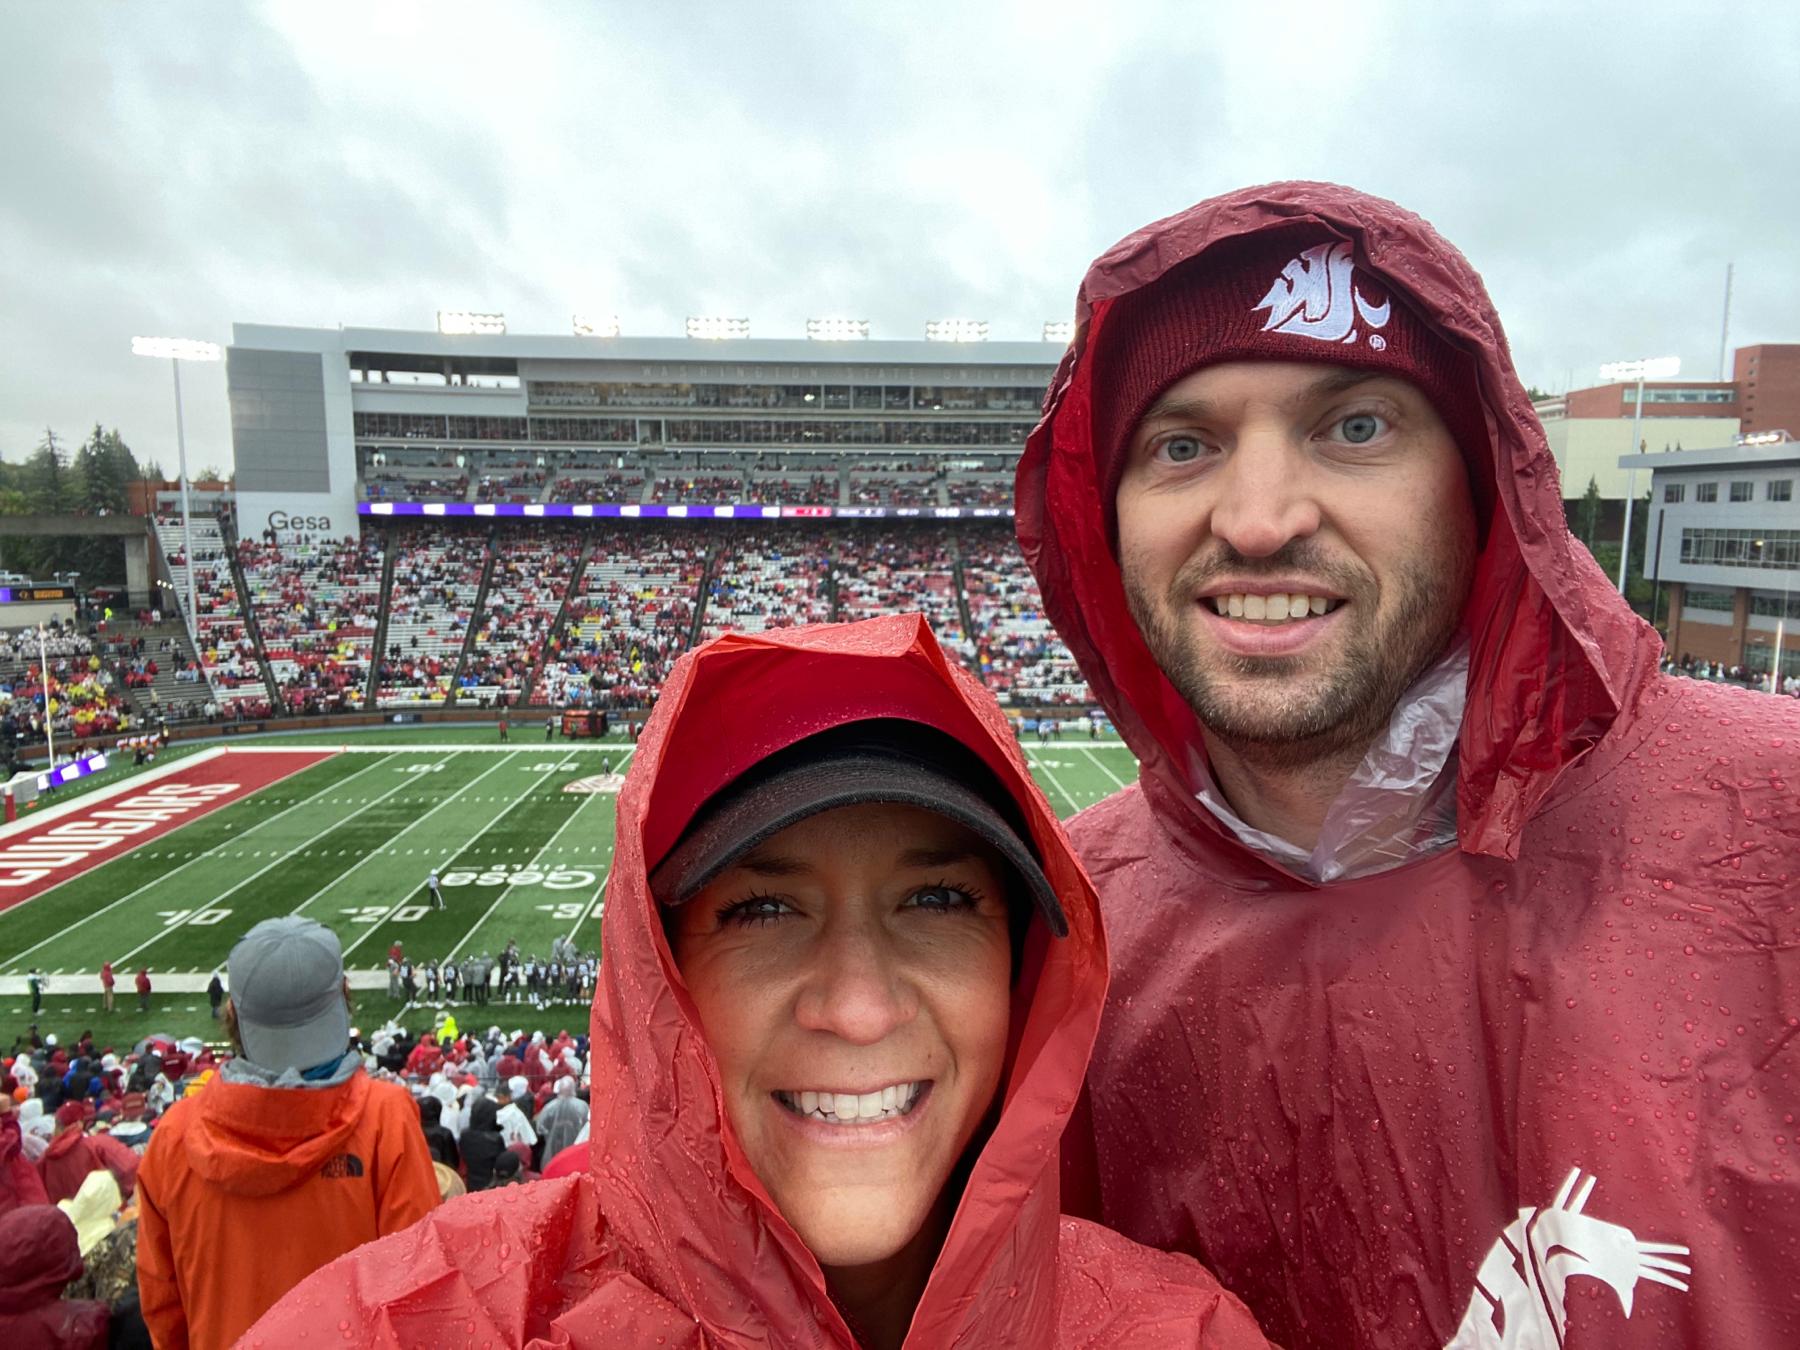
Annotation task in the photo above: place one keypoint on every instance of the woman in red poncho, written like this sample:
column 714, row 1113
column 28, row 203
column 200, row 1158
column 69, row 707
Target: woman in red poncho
column 852, row 975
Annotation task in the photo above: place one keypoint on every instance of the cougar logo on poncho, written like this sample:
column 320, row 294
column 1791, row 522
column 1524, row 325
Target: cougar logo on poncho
column 1315, row 296
column 1517, row 1302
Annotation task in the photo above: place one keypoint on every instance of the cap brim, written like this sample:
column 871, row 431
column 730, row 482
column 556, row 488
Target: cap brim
column 786, row 798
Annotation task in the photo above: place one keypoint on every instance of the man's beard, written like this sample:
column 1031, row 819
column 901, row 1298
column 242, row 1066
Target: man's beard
column 1300, row 716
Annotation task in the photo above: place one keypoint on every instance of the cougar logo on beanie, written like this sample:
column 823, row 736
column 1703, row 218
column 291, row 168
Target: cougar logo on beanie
column 1316, row 297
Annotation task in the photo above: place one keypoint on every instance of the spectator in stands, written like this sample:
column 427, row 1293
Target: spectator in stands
column 563, row 1119
column 291, row 1148
column 74, row 1153
column 39, row 1255
column 481, row 1143
column 20, row 1182
column 928, row 959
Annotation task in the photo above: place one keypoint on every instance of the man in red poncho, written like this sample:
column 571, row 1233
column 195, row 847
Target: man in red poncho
column 74, row 1153
column 1454, row 946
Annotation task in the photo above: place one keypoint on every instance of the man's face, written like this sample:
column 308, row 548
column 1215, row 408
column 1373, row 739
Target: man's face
column 1297, row 541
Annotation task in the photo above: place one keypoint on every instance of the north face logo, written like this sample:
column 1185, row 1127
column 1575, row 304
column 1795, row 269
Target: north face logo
column 1316, row 297
column 1517, row 1302
column 344, row 1165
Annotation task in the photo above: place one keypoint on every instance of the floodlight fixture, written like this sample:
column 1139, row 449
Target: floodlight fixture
column 838, row 330
column 1765, row 438
column 469, row 323
column 596, row 325
column 714, row 327
column 956, row 330
column 176, row 349
column 1649, row 368
column 1059, row 330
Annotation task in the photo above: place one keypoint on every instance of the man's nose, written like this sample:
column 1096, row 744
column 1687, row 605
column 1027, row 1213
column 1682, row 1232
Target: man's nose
column 855, row 988
column 1267, row 498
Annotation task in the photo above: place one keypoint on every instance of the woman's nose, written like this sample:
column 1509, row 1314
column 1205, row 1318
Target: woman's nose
column 855, row 988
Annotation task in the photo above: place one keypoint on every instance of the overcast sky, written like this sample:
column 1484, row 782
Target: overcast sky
column 174, row 168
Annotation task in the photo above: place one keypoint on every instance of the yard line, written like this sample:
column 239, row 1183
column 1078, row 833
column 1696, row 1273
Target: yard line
column 396, row 908
column 197, row 858
column 505, row 890
column 405, row 782
column 611, row 853
column 1118, row 781
column 1055, row 782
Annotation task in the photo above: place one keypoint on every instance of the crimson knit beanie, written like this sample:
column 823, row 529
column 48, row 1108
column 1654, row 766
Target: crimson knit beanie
column 1289, row 294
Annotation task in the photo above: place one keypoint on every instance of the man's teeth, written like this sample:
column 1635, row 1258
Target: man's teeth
column 1273, row 608
column 854, row 1108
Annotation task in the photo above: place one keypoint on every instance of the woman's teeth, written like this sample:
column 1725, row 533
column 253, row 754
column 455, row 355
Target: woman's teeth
column 854, row 1108
column 1273, row 608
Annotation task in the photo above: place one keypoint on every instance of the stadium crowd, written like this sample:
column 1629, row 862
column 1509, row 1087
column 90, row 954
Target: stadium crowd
column 78, row 1117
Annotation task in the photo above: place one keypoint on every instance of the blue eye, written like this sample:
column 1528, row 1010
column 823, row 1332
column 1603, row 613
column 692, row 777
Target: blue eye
column 942, row 899
column 752, row 911
column 1361, row 428
column 1180, row 449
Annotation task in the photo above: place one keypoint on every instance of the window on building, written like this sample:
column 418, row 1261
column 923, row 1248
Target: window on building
column 1779, row 490
column 1743, row 490
column 1699, row 598
column 1770, row 605
column 1674, row 492
column 1706, row 492
column 1769, row 549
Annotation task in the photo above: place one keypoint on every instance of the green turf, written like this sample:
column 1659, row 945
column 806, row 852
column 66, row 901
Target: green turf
column 349, row 841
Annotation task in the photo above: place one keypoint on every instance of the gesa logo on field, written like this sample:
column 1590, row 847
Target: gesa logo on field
column 517, row 874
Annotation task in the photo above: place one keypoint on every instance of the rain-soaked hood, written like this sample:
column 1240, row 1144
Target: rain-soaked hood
column 1555, row 654
column 674, row 1183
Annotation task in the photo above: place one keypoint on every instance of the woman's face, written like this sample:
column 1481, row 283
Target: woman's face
column 852, row 975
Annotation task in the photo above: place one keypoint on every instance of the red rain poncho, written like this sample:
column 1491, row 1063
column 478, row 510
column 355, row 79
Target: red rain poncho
column 668, row 1239
column 1526, row 1079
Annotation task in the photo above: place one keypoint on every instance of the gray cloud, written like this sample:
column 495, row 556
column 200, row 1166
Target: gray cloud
column 180, row 169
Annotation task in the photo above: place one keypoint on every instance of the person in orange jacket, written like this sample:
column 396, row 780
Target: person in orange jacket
column 290, row 1147
column 852, row 973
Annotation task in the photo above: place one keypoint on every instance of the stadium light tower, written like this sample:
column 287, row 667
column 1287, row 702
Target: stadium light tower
column 713, row 327
column 1649, row 368
column 596, row 325
column 956, row 330
column 179, row 350
column 1059, row 330
column 838, row 330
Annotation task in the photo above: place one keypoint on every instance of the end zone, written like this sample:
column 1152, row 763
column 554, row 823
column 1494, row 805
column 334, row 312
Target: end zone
column 49, row 849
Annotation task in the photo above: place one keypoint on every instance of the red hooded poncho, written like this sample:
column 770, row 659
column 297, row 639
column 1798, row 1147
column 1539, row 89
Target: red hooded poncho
column 1502, row 1094
column 39, row 1255
column 668, row 1239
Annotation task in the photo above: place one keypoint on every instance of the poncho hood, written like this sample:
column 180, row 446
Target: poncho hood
column 1556, row 654
column 672, row 1179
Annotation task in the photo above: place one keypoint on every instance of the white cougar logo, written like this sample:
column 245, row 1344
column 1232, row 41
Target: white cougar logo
column 1517, row 1303
column 1315, row 296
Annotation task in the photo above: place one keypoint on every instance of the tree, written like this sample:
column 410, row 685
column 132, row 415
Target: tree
column 1588, row 513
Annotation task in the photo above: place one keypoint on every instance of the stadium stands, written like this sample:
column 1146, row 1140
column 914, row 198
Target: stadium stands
column 1016, row 650
column 432, row 601
column 768, row 576
column 316, row 605
column 227, row 654
column 531, row 571
column 883, row 569
column 631, row 618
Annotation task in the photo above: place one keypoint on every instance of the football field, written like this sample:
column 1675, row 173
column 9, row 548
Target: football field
column 165, row 867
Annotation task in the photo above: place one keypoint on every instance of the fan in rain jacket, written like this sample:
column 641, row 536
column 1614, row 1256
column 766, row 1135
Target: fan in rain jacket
column 1535, row 1085
column 668, row 1238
